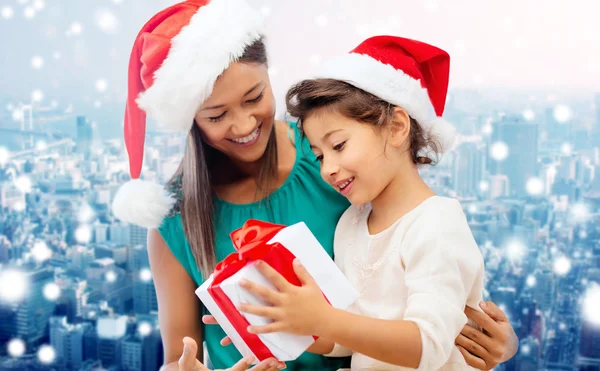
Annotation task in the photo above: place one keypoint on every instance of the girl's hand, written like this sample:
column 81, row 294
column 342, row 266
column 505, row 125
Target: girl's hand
column 298, row 310
column 189, row 362
column 496, row 344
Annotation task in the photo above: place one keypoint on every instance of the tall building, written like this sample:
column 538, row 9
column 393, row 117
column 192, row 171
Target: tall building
column 85, row 137
column 520, row 164
column 67, row 341
column 468, row 169
column 144, row 296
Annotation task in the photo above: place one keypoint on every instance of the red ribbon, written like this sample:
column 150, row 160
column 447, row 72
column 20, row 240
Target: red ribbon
column 250, row 241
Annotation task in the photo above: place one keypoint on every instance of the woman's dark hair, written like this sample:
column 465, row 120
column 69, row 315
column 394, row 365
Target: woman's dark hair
column 309, row 96
column 201, row 167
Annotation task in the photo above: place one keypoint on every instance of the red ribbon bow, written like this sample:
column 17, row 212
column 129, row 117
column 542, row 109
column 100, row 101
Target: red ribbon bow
column 250, row 241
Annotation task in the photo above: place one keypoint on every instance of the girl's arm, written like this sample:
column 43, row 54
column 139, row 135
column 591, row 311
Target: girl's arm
column 443, row 265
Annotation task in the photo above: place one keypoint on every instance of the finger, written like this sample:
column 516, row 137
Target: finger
column 273, row 276
column 477, row 336
column 242, row 364
column 266, row 329
column 472, row 361
column 226, row 341
column 265, row 293
column 187, row 361
column 260, row 310
column 302, row 274
column 483, row 320
column 270, row 364
column 493, row 311
column 207, row 319
column 473, row 348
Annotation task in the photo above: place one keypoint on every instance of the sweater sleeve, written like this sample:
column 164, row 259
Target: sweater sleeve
column 443, row 264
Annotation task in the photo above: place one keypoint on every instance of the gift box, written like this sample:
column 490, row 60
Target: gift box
column 278, row 246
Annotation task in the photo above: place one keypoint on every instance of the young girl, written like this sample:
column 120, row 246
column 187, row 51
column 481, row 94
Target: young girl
column 409, row 252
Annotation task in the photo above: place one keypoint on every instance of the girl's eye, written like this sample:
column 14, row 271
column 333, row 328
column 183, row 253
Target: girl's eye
column 217, row 118
column 339, row 147
column 257, row 99
column 319, row 158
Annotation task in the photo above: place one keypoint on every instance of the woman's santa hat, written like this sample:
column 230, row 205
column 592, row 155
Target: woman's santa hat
column 407, row 73
column 176, row 59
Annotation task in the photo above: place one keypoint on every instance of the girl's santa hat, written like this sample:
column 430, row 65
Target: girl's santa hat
column 407, row 73
column 176, row 59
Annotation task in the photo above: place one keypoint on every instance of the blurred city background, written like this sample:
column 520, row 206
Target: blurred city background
column 76, row 292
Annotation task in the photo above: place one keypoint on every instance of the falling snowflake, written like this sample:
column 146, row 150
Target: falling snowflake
column 107, row 21
column 41, row 145
column 51, row 291
column 23, row 183
column 41, row 252
column 487, row 128
column 525, row 349
column 83, row 234
column 13, row 285
column 4, row 155
column 16, row 348
column 528, row 115
column 37, row 95
column 321, row 20
column 515, row 250
column 145, row 328
column 56, row 55
column 535, row 186
column 562, row 326
column 580, row 212
column 97, row 103
column 75, row 29
column 39, row 4
column 499, row 151
column 101, row 85
column 472, row 208
column 591, row 303
column 29, row 12
column 562, row 266
column 562, row 113
column 86, row 213
column 566, row 149
column 111, row 276
column 531, row 281
column 484, row 186
column 7, row 12
column 18, row 115
column 146, row 275
column 46, row 354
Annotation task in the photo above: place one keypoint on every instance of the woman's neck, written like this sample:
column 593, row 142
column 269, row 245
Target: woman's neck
column 406, row 191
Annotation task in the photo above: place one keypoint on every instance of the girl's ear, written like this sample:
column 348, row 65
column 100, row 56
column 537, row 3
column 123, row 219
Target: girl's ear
column 399, row 128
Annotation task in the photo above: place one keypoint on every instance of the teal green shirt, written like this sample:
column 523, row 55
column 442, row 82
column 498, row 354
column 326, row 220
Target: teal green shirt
column 303, row 197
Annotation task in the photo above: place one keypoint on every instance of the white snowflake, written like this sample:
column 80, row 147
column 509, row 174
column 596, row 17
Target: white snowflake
column 146, row 275
column 56, row 55
column 7, row 12
column 515, row 250
column 4, row 155
column 265, row 10
column 24, row 184
column 75, row 29
column 107, row 21
column 484, row 186
column 499, row 151
column 531, row 281
column 591, row 303
column 51, row 291
column 41, row 252
column 562, row 113
column 535, row 186
column 144, row 328
column 580, row 212
column 562, row 266
column 83, row 234
column 46, row 354
column 13, row 285
column 529, row 115
column 111, row 276
column 86, row 213
column 41, row 145
column 37, row 95
column 39, row 4
column 29, row 12
column 101, row 85
column 321, row 20
column 16, row 348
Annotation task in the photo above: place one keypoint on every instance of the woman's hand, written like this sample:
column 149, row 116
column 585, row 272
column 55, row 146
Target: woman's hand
column 189, row 362
column 297, row 310
column 496, row 344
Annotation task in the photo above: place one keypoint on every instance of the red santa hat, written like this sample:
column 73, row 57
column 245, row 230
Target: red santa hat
column 407, row 73
column 176, row 59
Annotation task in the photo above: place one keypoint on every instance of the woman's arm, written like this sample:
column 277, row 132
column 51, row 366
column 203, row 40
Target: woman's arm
column 496, row 343
column 179, row 309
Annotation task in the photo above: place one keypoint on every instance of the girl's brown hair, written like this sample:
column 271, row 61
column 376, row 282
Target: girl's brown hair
column 198, row 172
column 309, row 96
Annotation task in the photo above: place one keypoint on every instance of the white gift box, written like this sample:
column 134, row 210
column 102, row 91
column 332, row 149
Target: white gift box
column 300, row 241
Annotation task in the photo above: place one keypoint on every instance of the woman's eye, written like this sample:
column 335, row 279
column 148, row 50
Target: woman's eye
column 257, row 99
column 319, row 158
column 217, row 118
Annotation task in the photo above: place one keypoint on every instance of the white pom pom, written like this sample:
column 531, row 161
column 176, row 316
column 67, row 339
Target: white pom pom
column 142, row 203
column 442, row 131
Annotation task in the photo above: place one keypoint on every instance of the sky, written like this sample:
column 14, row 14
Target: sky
column 75, row 53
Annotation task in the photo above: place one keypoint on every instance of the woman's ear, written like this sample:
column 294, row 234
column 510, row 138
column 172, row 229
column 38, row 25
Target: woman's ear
column 399, row 128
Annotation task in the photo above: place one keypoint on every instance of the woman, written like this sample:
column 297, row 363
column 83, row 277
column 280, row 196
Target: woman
column 201, row 68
